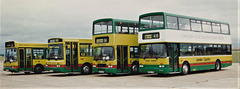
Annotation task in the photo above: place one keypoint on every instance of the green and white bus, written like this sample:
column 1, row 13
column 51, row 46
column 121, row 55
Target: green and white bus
column 172, row 43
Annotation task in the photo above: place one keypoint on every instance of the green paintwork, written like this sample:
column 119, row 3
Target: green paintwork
column 175, row 15
column 55, row 69
column 226, row 65
column 113, row 26
column 110, row 70
column 165, row 14
column 11, row 69
column 202, row 67
column 165, row 70
column 62, row 69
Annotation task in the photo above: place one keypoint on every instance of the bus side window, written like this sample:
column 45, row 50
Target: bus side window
column 85, row 49
column 207, row 49
column 134, row 52
column 229, row 50
column 38, row 53
column 185, row 50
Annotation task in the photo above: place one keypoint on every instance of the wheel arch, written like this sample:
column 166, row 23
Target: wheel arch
column 135, row 62
column 219, row 61
column 87, row 63
column 39, row 65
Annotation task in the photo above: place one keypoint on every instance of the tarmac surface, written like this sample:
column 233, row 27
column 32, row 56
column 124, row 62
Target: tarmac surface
column 227, row 78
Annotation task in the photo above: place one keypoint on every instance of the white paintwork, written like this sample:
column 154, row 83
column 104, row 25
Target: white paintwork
column 180, row 36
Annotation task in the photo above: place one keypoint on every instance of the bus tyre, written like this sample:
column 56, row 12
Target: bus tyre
column 185, row 68
column 86, row 69
column 217, row 65
column 38, row 69
column 134, row 68
column 27, row 72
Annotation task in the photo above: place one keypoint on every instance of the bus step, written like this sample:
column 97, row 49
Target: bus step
column 174, row 72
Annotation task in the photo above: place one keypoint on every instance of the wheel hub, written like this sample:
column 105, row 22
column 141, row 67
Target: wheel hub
column 134, row 68
column 185, row 69
column 86, row 69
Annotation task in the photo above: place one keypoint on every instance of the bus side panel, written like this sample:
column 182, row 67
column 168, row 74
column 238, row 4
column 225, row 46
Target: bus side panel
column 39, row 61
column 205, row 62
column 82, row 60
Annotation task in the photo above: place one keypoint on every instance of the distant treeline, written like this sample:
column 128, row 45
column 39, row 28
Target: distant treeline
column 235, row 49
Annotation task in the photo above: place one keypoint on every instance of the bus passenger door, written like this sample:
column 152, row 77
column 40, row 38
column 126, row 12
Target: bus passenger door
column 21, row 58
column 28, row 59
column 122, row 58
column 71, row 56
column 25, row 56
column 173, row 54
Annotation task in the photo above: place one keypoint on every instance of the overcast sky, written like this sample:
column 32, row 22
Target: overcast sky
column 38, row 20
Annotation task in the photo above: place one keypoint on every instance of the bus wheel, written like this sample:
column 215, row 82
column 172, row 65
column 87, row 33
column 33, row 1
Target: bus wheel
column 134, row 68
column 185, row 68
column 217, row 65
column 86, row 69
column 38, row 69
column 27, row 72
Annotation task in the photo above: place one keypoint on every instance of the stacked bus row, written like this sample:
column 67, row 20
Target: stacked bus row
column 159, row 42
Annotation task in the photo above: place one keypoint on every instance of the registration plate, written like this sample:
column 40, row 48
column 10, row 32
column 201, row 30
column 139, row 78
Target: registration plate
column 150, row 71
column 101, row 71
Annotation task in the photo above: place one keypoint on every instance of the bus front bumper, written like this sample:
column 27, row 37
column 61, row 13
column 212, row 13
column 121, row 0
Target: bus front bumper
column 153, row 69
column 10, row 69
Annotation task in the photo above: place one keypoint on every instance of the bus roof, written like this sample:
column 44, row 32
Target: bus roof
column 115, row 20
column 17, row 44
column 82, row 40
column 164, row 13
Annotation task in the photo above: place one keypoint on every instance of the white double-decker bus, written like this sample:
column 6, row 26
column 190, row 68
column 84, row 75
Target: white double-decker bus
column 171, row 43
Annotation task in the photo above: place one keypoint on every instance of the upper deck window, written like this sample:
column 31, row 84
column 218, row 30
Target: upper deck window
column 151, row 22
column 196, row 25
column 216, row 27
column 103, row 27
column 172, row 22
column 184, row 24
column 225, row 28
column 126, row 28
column 206, row 26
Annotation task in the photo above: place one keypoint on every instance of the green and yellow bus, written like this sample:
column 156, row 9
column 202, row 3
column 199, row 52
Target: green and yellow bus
column 68, row 55
column 25, row 57
column 115, row 46
column 172, row 43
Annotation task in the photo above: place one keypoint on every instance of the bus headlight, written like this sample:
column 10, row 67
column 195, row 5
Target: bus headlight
column 46, row 65
column 110, row 66
column 140, row 65
column 94, row 66
column 11, row 60
column 161, row 66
